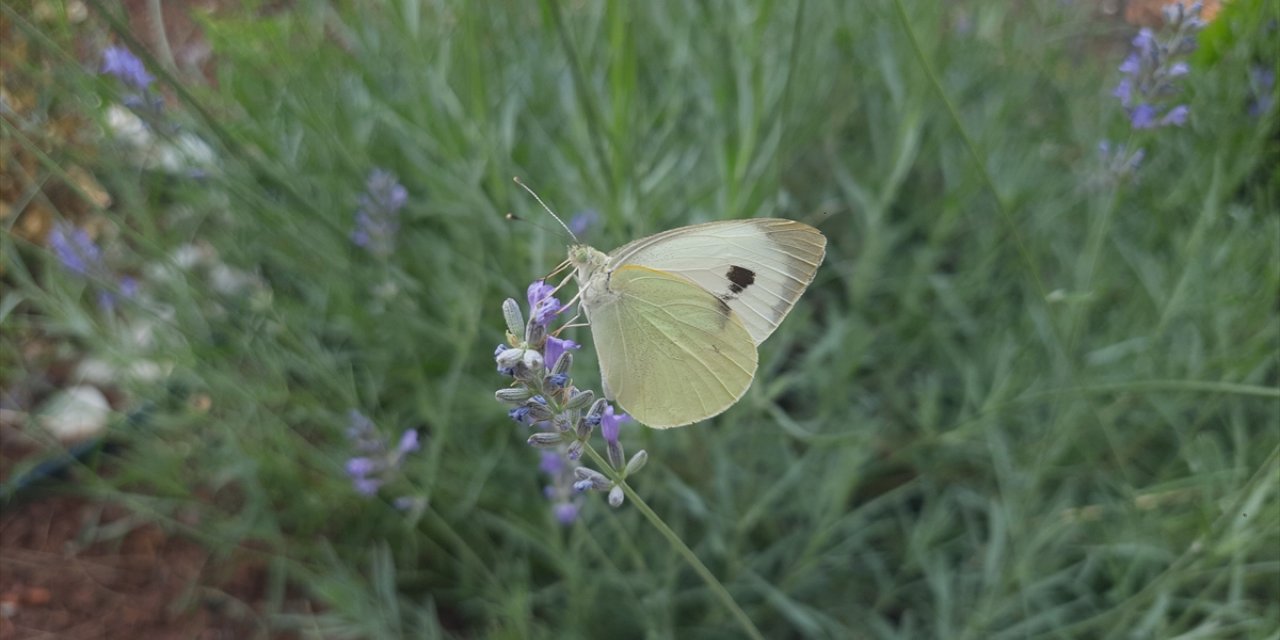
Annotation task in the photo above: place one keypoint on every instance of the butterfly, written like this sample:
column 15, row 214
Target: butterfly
column 676, row 317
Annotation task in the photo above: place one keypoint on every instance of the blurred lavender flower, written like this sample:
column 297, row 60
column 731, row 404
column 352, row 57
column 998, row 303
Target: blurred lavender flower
column 76, row 250
column 542, row 394
column 1151, row 70
column 378, row 463
column 1262, row 81
column 610, row 425
column 378, row 216
column 1118, row 162
column 121, row 63
column 560, row 492
column 80, row 255
column 582, row 222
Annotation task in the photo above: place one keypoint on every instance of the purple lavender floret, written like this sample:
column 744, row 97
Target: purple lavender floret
column 120, row 62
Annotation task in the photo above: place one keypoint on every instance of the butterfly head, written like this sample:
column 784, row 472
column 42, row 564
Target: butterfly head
column 587, row 261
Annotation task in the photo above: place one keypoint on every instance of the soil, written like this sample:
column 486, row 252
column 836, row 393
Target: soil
column 141, row 583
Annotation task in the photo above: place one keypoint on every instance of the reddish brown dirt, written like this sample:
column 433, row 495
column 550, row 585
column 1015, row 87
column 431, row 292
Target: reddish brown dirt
column 141, row 584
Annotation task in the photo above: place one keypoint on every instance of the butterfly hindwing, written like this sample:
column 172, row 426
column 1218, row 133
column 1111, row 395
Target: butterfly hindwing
column 671, row 353
column 757, row 267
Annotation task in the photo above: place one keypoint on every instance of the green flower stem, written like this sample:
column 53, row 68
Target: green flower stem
column 654, row 519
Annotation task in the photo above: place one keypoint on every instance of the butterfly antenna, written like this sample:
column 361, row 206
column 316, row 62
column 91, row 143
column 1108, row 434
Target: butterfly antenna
column 544, row 206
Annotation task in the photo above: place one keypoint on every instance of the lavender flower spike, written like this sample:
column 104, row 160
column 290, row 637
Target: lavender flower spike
column 1151, row 71
column 378, row 214
column 545, row 399
column 376, row 463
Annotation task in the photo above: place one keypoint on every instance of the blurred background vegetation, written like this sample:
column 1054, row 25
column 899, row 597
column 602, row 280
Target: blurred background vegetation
column 1033, row 392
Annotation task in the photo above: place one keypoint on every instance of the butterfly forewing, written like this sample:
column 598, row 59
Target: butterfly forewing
column 671, row 353
column 757, row 267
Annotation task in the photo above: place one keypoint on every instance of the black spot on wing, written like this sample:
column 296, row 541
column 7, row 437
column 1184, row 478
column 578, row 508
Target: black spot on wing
column 739, row 279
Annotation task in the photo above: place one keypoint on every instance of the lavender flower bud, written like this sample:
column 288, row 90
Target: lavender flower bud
column 539, row 410
column 566, row 512
column 515, row 320
column 616, row 496
column 562, row 423
column 574, row 450
column 597, row 410
column 616, row 457
column 580, row 399
column 562, row 364
column 531, row 359
column 509, row 358
column 598, row 480
column 544, row 439
column 637, row 462
column 584, row 429
column 514, row 395
column 535, row 332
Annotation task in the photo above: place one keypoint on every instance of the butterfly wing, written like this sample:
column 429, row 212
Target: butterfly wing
column 671, row 353
column 758, row 267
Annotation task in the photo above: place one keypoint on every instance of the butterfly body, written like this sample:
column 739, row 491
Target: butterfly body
column 676, row 317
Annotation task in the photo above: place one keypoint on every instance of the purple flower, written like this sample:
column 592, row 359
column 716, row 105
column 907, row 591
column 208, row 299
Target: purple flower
column 75, row 250
column 1131, row 66
column 1145, row 42
column 379, row 463
column 360, row 467
column 384, row 191
column 80, row 255
column 560, row 491
column 1124, row 91
column 408, row 441
column 121, row 63
column 1176, row 116
column 378, row 215
column 1151, row 70
column 519, row 414
column 582, row 221
column 1143, row 116
column 555, row 347
column 1262, row 81
column 536, row 291
column 542, row 306
column 552, row 462
column 367, row 486
column 566, row 512
column 610, row 423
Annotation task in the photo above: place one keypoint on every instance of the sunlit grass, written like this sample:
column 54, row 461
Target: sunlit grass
column 1018, row 400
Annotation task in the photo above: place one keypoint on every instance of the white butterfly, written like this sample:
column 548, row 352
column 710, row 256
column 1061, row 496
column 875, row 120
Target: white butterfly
column 676, row 317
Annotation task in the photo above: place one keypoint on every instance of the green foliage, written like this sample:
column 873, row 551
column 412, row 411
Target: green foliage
column 1023, row 398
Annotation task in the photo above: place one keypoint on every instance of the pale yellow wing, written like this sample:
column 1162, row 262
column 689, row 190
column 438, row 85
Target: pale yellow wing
column 758, row 267
column 671, row 353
